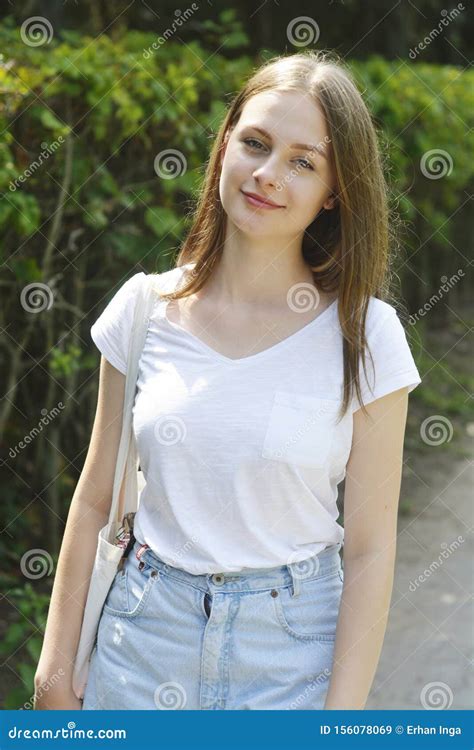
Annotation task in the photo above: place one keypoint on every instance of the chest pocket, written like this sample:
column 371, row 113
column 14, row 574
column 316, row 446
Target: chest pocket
column 301, row 429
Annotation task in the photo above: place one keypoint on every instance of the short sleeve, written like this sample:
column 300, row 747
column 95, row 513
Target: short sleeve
column 111, row 331
column 393, row 364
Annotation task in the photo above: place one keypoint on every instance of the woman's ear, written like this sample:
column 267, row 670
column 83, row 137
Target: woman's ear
column 330, row 202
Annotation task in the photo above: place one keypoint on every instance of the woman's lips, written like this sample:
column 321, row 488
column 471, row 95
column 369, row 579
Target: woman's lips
column 258, row 203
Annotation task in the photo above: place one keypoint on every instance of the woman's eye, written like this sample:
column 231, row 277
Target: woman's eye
column 251, row 141
column 306, row 164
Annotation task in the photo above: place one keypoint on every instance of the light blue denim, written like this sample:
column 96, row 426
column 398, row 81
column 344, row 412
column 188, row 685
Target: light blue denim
column 262, row 639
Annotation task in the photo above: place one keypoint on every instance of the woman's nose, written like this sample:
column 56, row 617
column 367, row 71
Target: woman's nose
column 267, row 174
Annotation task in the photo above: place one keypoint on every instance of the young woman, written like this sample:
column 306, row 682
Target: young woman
column 274, row 366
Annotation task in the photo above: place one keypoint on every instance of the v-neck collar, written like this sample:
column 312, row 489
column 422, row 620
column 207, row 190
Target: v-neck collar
column 258, row 355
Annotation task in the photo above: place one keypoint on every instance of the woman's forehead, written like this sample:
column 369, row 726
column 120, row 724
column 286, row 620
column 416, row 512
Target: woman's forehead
column 288, row 116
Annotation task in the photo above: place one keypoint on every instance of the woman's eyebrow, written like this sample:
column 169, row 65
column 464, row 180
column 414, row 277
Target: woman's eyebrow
column 305, row 146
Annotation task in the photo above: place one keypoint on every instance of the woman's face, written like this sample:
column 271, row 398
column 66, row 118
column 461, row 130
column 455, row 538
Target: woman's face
column 300, row 180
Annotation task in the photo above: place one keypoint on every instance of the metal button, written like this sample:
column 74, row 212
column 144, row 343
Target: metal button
column 141, row 566
column 154, row 573
column 218, row 578
column 274, row 593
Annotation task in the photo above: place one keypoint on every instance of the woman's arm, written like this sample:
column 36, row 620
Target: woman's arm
column 88, row 513
column 372, row 492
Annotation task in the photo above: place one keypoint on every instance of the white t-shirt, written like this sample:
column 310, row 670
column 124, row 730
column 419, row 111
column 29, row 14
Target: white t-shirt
column 242, row 457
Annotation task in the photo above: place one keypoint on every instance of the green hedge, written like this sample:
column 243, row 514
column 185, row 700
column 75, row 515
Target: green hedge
column 81, row 205
column 118, row 108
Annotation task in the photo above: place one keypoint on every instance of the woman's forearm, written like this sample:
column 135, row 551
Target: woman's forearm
column 71, row 582
column 363, row 614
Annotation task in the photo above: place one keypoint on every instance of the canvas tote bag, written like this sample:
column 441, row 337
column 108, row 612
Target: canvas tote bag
column 128, row 481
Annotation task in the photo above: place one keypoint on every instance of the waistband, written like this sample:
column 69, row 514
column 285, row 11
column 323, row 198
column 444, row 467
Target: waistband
column 325, row 563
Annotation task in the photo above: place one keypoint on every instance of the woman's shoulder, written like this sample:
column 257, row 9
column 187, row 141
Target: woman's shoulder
column 378, row 312
column 167, row 281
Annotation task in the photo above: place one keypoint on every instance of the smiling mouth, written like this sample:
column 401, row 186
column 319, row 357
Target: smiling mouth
column 258, row 202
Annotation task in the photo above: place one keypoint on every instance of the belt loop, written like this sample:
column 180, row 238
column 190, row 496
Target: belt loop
column 141, row 550
column 295, row 579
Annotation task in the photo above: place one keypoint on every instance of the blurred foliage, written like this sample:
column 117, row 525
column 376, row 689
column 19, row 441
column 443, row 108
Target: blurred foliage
column 82, row 208
column 355, row 29
column 117, row 109
column 24, row 638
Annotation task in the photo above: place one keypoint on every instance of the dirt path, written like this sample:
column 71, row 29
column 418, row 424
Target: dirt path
column 429, row 635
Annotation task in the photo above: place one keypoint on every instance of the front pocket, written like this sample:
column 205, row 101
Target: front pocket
column 300, row 429
column 312, row 614
column 130, row 590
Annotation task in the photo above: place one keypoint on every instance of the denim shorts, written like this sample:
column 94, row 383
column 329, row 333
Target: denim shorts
column 259, row 639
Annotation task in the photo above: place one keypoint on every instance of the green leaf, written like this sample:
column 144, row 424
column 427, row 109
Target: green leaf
column 50, row 121
column 26, row 216
column 162, row 221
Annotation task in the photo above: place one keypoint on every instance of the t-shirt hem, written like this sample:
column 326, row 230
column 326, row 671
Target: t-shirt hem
column 405, row 379
column 109, row 355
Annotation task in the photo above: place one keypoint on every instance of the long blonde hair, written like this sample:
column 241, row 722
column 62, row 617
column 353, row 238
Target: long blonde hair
column 347, row 247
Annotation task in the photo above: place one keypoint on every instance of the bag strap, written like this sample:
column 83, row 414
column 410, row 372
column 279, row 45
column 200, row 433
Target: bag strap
column 127, row 458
